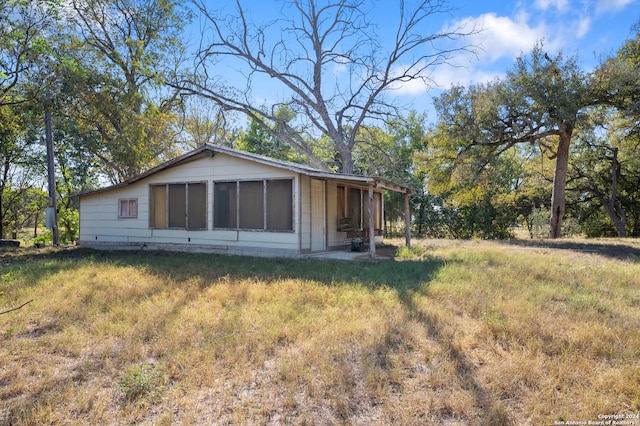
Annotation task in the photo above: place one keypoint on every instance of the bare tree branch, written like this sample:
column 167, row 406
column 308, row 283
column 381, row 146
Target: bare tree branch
column 328, row 63
column 15, row 309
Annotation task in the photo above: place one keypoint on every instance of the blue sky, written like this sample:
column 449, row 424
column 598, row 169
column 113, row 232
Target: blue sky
column 589, row 28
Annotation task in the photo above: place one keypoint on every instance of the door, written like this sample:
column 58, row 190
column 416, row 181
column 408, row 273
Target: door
column 318, row 216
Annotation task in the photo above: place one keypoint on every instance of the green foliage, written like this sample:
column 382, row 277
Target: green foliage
column 617, row 79
column 259, row 140
column 480, row 194
column 606, row 165
column 539, row 223
column 112, row 66
column 571, row 227
column 22, row 207
column 536, row 106
column 204, row 122
column 24, row 42
column 43, row 238
column 20, row 201
column 596, row 223
column 68, row 222
column 539, row 228
column 414, row 252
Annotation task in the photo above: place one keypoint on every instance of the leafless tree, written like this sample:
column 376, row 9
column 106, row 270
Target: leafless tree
column 203, row 122
column 327, row 60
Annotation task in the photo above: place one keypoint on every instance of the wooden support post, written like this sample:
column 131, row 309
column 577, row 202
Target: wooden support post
column 407, row 220
column 372, row 226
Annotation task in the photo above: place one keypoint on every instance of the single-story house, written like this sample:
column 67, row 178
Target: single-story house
column 220, row 200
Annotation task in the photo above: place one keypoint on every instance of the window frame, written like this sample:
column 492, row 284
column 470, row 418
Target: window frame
column 128, row 201
column 264, row 210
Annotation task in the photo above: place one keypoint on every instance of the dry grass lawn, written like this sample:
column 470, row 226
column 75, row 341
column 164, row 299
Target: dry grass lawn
column 453, row 333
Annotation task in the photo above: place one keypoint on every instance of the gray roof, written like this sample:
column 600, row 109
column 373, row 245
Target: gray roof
column 209, row 149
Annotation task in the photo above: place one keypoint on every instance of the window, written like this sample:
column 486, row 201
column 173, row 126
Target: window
column 128, row 208
column 353, row 203
column 279, row 205
column 251, row 207
column 179, row 205
column 197, row 206
column 342, row 210
column 354, row 207
column 158, row 206
column 225, row 205
column 257, row 205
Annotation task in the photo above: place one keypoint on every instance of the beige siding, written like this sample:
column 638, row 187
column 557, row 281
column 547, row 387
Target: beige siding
column 334, row 238
column 101, row 227
column 305, row 213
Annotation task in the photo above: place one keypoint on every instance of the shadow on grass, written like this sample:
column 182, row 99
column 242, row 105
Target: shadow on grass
column 485, row 401
column 410, row 279
column 622, row 249
column 35, row 264
column 209, row 268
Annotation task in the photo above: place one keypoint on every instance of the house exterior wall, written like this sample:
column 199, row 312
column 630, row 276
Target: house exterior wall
column 305, row 214
column 100, row 226
column 335, row 239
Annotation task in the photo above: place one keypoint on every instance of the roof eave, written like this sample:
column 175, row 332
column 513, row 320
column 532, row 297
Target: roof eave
column 302, row 169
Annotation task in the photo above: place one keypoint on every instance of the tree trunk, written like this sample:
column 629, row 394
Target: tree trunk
column 346, row 156
column 3, row 184
column 407, row 220
column 1, row 218
column 612, row 206
column 560, row 182
column 618, row 221
column 35, row 224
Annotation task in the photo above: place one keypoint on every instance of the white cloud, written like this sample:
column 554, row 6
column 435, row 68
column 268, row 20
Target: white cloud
column 559, row 24
column 583, row 26
column 501, row 39
column 561, row 5
column 603, row 6
column 413, row 87
column 505, row 37
column 339, row 69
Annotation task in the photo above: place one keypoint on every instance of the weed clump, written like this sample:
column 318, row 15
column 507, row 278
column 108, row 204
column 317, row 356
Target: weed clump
column 141, row 384
column 411, row 253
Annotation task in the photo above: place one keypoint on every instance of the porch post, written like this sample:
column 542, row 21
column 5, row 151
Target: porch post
column 372, row 231
column 407, row 220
